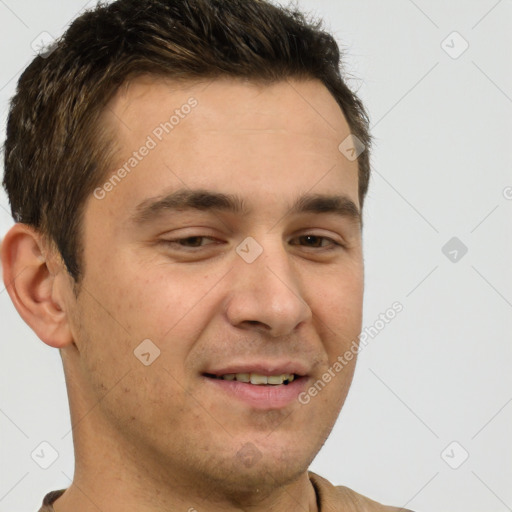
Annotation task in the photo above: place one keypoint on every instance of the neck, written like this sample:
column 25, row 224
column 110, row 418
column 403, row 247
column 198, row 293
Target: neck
column 114, row 487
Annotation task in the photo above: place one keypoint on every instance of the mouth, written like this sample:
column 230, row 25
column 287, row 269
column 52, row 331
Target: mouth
column 257, row 390
column 257, row 379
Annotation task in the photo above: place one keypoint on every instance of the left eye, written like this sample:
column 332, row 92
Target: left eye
column 316, row 238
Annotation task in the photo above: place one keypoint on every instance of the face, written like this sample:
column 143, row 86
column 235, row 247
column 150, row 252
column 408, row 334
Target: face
column 238, row 279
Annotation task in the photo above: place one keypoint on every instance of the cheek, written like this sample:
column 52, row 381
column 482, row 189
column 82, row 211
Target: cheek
column 338, row 306
column 339, row 296
column 150, row 301
column 166, row 304
column 128, row 392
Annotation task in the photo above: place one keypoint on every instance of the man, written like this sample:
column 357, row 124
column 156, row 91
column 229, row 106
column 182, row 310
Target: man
column 187, row 178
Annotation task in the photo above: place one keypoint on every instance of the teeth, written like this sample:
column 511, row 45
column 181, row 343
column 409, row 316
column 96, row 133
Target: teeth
column 276, row 379
column 258, row 379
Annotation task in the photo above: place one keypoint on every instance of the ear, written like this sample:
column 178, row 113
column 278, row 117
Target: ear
column 37, row 283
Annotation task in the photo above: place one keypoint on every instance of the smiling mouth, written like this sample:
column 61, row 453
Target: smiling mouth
column 256, row 378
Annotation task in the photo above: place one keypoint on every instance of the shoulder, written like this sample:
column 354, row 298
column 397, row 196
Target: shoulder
column 333, row 498
column 49, row 499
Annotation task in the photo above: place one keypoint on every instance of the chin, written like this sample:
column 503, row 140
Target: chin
column 274, row 463
column 261, row 478
column 253, row 471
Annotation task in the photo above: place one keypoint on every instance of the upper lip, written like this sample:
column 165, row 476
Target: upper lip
column 261, row 368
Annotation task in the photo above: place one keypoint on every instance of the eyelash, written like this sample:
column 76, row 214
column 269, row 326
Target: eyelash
column 175, row 242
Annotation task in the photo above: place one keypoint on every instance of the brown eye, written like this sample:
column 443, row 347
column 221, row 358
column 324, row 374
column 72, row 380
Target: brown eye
column 315, row 242
column 187, row 242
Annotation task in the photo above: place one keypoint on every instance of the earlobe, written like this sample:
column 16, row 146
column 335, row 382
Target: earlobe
column 34, row 286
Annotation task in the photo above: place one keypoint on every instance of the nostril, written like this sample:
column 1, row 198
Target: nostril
column 257, row 323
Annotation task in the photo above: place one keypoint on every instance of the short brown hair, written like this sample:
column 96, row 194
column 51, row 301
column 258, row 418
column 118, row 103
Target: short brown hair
column 56, row 150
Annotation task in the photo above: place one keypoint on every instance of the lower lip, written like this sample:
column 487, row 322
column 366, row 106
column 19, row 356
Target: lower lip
column 262, row 396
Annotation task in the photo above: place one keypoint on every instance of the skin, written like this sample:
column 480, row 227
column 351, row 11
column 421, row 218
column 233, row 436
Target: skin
column 157, row 438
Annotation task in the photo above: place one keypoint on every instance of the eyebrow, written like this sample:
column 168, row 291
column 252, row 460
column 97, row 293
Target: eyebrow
column 207, row 200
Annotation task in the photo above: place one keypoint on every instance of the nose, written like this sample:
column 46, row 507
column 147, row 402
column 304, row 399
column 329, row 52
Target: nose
column 266, row 295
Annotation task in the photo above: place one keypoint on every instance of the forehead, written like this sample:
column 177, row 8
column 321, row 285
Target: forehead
column 232, row 136
column 229, row 102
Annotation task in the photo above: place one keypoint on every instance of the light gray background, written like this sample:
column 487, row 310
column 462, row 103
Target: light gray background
column 440, row 371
